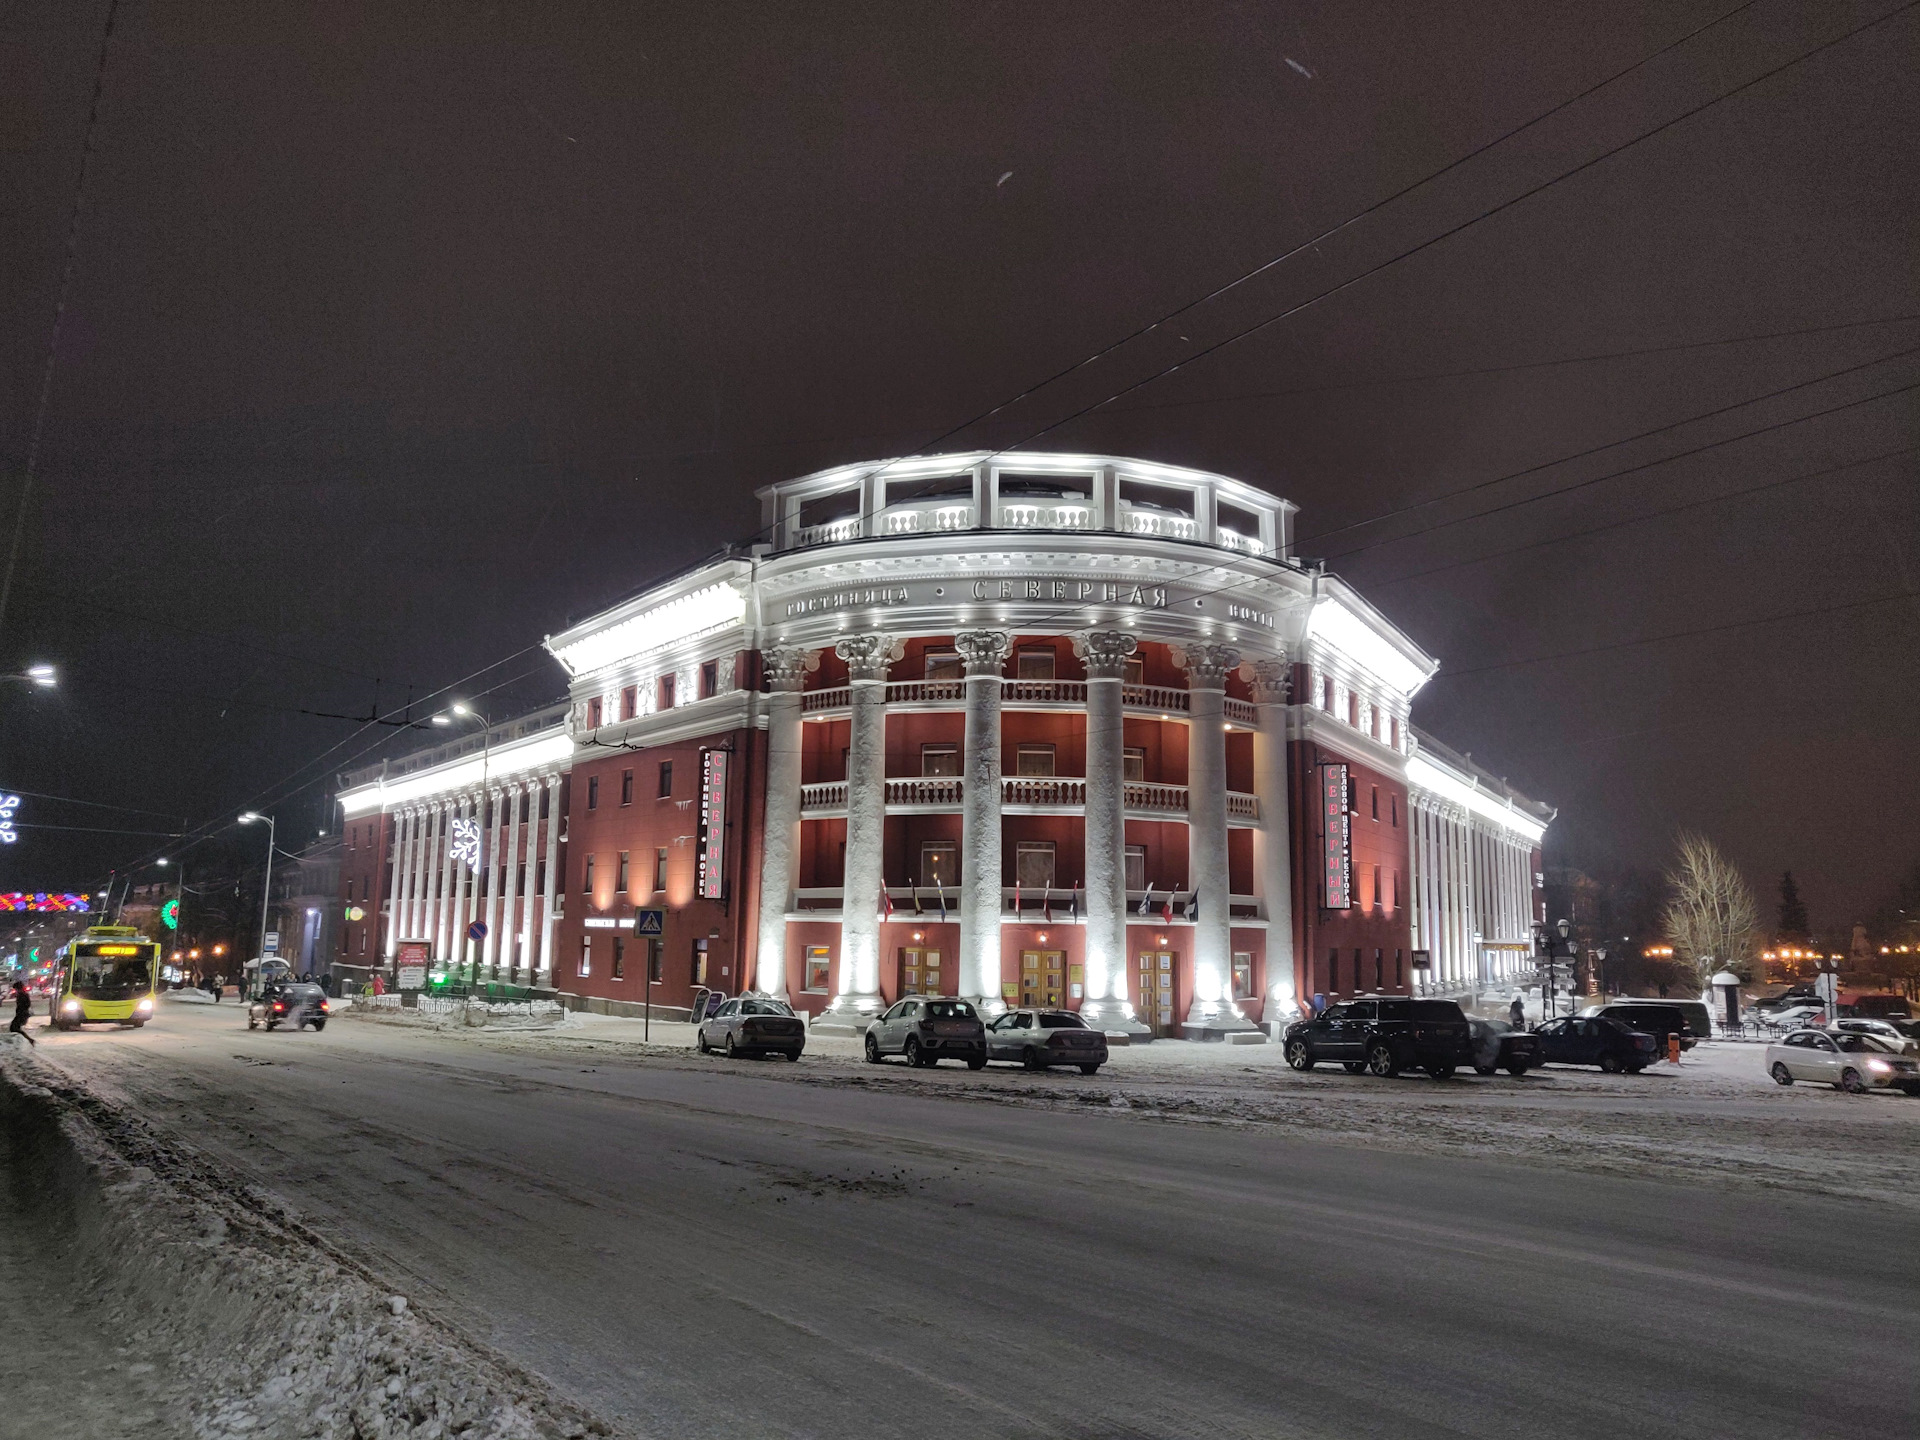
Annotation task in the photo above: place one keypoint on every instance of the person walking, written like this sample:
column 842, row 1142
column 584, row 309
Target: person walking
column 1517, row 1013
column 22, row 1012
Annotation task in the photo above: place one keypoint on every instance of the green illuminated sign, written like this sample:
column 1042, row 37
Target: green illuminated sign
column 170, row 914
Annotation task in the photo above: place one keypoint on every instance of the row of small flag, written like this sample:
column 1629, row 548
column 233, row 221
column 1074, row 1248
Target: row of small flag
column 1189, row 909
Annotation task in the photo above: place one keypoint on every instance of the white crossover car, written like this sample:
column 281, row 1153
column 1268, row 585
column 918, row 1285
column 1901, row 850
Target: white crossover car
column 1851, row 1062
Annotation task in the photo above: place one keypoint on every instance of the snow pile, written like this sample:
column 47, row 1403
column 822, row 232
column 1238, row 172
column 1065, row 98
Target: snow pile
column 433, row 1014
column 253, row 1325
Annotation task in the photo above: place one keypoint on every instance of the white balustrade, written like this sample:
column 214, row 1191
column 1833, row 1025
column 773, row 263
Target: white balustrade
column 1046, row 515
column 925, row 790
column 943, row 792
column 1046, row 790
column 838, row 698
column 832, row 795
column 925, row 517
column 1142, row 795
column 1242, row 807
column 1241, row 712
column 1136, row 521
column 830, row 533
column 1163, row 698
column 927, row 692
column 1043, row 692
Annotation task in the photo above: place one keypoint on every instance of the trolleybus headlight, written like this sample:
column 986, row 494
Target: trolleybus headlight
column 146, row 1004
column 72, row 1007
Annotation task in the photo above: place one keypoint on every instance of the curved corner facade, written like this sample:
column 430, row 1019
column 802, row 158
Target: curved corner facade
column 1042, row 729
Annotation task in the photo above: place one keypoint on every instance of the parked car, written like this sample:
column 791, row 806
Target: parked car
column 1689, row 1019
column 1040, row 1038
column 1794, row 1017
column 1854, row 1063
column 752, row 1025
column 1900, row 1039
column 292, row 1002
column 1596, row 1040
column 927, row 1029
column 1383, row 1036
column 1499, row 1046
column 1882, row 1007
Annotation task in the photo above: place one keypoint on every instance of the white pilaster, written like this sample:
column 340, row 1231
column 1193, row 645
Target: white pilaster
column 548, row 916
column 1272, row 842
column 1104, row 1002
column 1212, row 1011
column 983, row 654
column 443, row 883
column 396, row 869
column 786, row 671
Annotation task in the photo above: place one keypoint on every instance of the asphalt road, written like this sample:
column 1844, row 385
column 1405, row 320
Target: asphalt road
column 695, row 1249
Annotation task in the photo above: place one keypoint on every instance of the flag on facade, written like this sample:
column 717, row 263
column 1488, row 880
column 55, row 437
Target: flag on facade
column 1073, row 912
column 940, row 888
column 1046, row 906
column 1146, row 899
column 886, row 902
column 1016, row 896
column 1166, row 906
column 1192, row 911
column 916, row 897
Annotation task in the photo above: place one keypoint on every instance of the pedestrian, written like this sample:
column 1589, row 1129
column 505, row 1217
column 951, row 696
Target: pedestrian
column 213, row 987
column 1517, row 1012
column 22, row 1012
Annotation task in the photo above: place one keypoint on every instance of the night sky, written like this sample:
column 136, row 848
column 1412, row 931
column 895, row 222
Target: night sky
column 400, row 333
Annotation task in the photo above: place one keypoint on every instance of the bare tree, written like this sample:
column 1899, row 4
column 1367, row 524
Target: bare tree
column 1712, row 915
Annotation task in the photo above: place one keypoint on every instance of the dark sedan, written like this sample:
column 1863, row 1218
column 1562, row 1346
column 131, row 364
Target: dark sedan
column 1595, row 1040
column 1040, row 1038
column 1498, row 1046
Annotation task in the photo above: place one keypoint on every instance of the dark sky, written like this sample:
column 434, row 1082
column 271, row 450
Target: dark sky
column 401, row 332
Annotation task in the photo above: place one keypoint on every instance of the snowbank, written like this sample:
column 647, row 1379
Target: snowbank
column 254, row 1326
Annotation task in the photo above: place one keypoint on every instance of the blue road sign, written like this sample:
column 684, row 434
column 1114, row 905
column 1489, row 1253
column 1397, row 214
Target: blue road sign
column 477, row 930
column 650, row 922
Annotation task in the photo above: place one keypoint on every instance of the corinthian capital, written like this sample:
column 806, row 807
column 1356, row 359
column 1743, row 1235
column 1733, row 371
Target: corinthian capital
column 1105, row 653
column 1207, row 665
column 1272, row 678
column 867, row 656
column 983, row 652
column 786, row 666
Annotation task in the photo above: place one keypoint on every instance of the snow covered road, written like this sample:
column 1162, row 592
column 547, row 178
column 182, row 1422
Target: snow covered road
column 1189, row 1244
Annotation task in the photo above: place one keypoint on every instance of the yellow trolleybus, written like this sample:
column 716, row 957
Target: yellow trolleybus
column 109, row 977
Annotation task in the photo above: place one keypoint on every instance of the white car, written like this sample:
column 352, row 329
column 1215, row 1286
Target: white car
column 1794, row 1017
column 1892, row 1034
column 1850, row 1062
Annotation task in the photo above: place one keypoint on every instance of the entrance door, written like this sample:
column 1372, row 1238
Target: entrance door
column 1043, row 978
column 1156, row 991
column 920, row 972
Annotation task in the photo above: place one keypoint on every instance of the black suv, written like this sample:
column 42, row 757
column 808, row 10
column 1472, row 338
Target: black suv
column 1384, row 1036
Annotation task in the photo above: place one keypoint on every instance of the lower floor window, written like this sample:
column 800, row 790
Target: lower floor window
column 819, row 968
column 656, row 961
column 1242, row 975
column 619, row 958
column 586, row 955
column 700, row 962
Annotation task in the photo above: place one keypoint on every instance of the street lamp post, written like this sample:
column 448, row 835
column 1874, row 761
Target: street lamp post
column 266, row 885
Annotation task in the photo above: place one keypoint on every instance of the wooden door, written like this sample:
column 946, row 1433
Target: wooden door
column 1156, row 991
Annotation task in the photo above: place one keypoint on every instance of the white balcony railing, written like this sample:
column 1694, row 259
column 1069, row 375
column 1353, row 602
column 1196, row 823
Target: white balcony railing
column 1157, row 699
column 1242, row 807
column 926, row 517
column 927, row 692
column 1144, row 795
column 1240, row 712
column 1136, row 521
column 830, row 533
column 1046, row 515
column 838, row 698
column 1043, row 790
column 1163, row 698
column 830, row 795
column 932, row 792
column 1043, row 692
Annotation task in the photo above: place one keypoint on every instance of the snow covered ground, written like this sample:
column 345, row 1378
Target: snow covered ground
column 1197, row 1241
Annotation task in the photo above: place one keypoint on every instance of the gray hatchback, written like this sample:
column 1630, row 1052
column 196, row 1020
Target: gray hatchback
column 928, row 1029
column 1040, row 1038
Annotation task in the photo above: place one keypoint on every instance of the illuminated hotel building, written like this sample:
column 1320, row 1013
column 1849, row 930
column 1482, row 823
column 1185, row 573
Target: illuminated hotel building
column 1037, row 728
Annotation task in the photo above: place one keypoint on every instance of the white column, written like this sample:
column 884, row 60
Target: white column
column 462, row 897
column 1272, row 842
column 1104, row 1004
column 443, row 883
column 983, row 653
column 486, row 887
column 416, row 822
column 548, row 917
column 1212, row 1010
column 510, row 885
column 857, row 994
column 785, row 669
column 395, row 875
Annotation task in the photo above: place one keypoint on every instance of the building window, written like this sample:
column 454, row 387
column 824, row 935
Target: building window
column 629, row 702
column 1379, row 899
column 939, row 760
column 1033, row 864
column 593, row 792
column 626, row 787
column 1399, row 970
column 544, row 793
column 666, row 693
column 1353, row 709
column 819, row 969
column 1242, row 975
column 540, row 877
column 586, row 876
column 593, row 713
column 586, row 955
column 1359, row 979
column 939, row 864
column 700, row 961
column 1136, row 671
column 943, row 665
column 622, row 886
column 1136, row 867
column 656, row 961
column 1133, row 763
column 1396, row 890
column 1333, row 972
column 1034, row 665
column 660, row 868
column 709, row 679
column 665, row 792
column 1033, row 760
column 1393, row 810
column 1326, row 694
column 619, row 958
column 1379, row 970
column 1395, row 727
column 1376, row 801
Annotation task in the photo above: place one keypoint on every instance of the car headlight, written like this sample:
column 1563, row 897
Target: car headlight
column 146, row 1004
column 72, row 1007
column 1879, row 1067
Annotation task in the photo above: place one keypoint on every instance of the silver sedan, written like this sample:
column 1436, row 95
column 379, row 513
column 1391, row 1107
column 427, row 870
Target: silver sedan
column 1854, row 1063
column 1040, row 1038
column 752, row 1025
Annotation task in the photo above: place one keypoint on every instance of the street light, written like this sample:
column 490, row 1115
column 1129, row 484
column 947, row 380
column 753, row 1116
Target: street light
column 461, row 710
column 266, row 885
column 42, row 676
